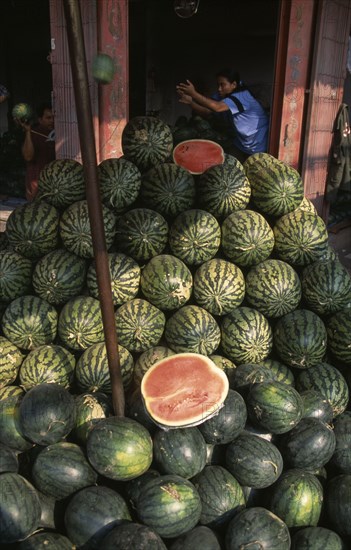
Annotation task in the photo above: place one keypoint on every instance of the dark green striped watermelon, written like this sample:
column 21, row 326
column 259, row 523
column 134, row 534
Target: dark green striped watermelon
column 227, row 424
column 90, row 408
column 46, row 539
column 329, row 382
column 50, row 363
column 279, row 371
column 300, row 238
column 75, row 230
column 326, row 286
column 15, row 275
column 300, row 338
column 273, row 287
column 338, row 503
column 133, row 535
column 194, row 236
column 339, row 335
column 219, row 286
column 315, row 405
column 275, row 406
column 147, row 141
column 225, row 364
column 147, row 359
column 120, row 182
column 315, row 538
column 11, row 359
column 192, row 329
column 341, row 458
column 32, row 229
column 166, row 282
column 181, row 451
column 254, row 462
column 247, row 374
column 199, row 537
column 139, row 325
column 170, row 505
column 246, row 335
column 124, row 274
column 46, row 414
column 276, row 187
column 10, row 431
column 247, row 238
column 62, row 469
column 309, row 445
column 297, row 498
column 80, row 323
column 169, row 189
column 223, row 188
column 92, row 372
column 141, row 233
column 61, row 182
column 19, row 508
column 119, row 448
column 133, row 487
column 59, row 275
column 8, row 459
column 221, row 495
column 29, row 321
column 92, row 513
column 257, row 527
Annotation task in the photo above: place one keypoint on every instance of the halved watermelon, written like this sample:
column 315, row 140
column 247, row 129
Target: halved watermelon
column 197, row 155
column 184, row 389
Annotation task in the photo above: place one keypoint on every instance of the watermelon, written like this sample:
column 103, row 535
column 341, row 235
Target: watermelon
column 120, row 182
column 198, row 537
column 181, row 451
column 19, row 508
column 307, row 205
column 194, row 236
column 32, row 229
column 50, row 363
column 339, row 335
column 46, row 413
column 197, row 155
column 147, row 359
column 10, row 431
column 273, row 287
column 300, row 238
column 8, row 459
column 300, row 338
column 225, row 364
column 275, row 406
column 257, row 526
column 103, row 68
column 124, row 275
column 166, row 282
column 61, row 183
column 61, row 469
column 15, row 275
column 229, row 421
column 247, row 238
column 338, row 503
column 279, row 371
column 92, row 370
column 119, row 448
column 224, row 188
column 29, row 321
column 329, row 382
column 341, row 458
column 183, row 390
column 170, row 505
column 326, row 286
column 11, row 359
column 276, row 187
column 316, row 537
column 147, row 141
column 253, row 461
column 134, row 486
column 22, row 111
column 80, row 323
column 139, row 325
column 90, row 408
column 221, row 495
column 48, row 539
column 315, row 405
column 75, row 230
column 246, row 335
column 169, row 189
column 59, row 276
column 297, row 498
column 247, row 374
column 141, row 233
column 92, row 513
column 192, row 329
column 133, row 535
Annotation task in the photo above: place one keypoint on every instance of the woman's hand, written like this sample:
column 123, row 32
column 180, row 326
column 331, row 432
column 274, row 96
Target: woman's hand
column 185, row 98
column 186, row 88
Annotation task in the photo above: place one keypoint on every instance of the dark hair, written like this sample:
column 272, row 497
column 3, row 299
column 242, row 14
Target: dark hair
column 232, row 76
column 42, row 107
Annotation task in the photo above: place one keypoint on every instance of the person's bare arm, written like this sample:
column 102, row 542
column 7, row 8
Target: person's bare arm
column 188, row 89
column 27, row 147
column 188, row 100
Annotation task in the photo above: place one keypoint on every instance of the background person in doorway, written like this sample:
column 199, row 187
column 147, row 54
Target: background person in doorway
column 233, row 111
column 38, row 148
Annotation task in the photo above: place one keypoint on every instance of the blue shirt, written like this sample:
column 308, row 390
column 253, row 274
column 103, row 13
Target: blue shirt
column 251, row 125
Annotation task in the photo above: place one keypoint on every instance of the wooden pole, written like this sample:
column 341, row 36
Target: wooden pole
column 87, row 143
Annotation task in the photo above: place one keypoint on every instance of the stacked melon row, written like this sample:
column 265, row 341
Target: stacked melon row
column 233, row 264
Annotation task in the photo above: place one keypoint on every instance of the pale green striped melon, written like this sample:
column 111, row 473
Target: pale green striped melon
column 47, row 364
column 147, row 359
column 15, row 275
column 120, row 181
column 61, row 182
column 80, row 323
column 11, row 359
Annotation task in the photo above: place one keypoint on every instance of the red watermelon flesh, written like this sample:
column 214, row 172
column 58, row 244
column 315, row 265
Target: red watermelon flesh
column 184, row 389
column 197, row 155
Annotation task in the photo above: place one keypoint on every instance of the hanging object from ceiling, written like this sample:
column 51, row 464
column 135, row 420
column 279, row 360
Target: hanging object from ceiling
column 186, row 8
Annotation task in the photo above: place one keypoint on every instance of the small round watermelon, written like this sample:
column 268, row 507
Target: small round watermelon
column 103, row 68
column 22, row 111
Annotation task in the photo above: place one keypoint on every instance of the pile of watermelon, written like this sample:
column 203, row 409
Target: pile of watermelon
column 233, row 264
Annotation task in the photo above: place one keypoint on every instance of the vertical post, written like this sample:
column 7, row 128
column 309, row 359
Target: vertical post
column 87, row 143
